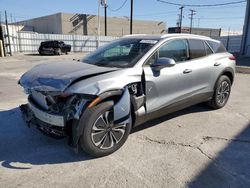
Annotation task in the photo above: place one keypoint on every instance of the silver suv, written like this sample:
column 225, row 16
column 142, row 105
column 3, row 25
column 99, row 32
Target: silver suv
column 97, row 100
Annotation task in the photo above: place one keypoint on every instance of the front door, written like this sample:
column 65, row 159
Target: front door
column 170, row 84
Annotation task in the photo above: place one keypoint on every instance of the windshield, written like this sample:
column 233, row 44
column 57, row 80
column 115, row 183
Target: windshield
column 121, row 53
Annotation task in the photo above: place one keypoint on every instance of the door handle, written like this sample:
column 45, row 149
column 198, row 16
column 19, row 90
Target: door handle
column 217, row 64
column 186, row 71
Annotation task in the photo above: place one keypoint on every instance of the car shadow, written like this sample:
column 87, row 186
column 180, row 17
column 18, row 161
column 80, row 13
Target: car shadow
column 193, row 109
column 19, row 144
column 230, row 167
column 37, row 54
column 32, row 54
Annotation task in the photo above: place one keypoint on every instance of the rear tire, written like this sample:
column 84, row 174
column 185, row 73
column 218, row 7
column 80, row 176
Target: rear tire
column 100, row 137
column 221, row 93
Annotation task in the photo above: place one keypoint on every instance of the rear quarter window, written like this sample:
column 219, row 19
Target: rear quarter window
column 196, row 48
column 208, row 49
column 217, row 46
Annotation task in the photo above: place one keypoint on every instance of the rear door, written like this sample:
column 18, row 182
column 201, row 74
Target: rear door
column 170, row 84
column 202, row 64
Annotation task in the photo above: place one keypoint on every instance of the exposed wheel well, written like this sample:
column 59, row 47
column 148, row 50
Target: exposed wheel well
column 116, row 98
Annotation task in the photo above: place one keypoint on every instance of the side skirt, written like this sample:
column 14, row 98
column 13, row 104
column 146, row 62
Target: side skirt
column 196, row 99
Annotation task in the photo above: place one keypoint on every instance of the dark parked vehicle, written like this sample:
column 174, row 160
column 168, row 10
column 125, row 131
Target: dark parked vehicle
column 53, row 48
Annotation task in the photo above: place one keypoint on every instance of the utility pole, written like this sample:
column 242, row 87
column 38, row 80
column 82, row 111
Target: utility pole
column 199, row 22
column 98, row 27
column 178, row 21
column 131, row 17
column 7, row 28
column 191, row 21
column 181, row 8
column 105, row 15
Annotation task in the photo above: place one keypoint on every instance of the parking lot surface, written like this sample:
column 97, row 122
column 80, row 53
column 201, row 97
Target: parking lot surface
column 196, row 147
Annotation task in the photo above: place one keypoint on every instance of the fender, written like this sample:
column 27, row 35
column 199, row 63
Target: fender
column 227, row 69
column 121, row 110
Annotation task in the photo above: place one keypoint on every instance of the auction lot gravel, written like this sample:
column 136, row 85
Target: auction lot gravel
column 196, row 147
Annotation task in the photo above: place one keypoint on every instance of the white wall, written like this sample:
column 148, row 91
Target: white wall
column 29, row 41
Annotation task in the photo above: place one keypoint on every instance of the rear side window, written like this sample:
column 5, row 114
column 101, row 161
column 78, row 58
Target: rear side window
column 176, row 49
column 217, row 46
column 55, row 44
column 46, row 44
column 196, row 48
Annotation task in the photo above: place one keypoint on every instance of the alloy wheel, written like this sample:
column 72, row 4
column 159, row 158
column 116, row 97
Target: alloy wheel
column 105, row 134
column 223, row 92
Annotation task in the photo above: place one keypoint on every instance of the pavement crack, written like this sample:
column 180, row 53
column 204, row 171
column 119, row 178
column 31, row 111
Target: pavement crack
column 163, row 142
column 198, row 147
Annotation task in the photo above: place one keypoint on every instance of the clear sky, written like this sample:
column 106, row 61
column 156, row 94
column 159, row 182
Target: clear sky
column 215, row 17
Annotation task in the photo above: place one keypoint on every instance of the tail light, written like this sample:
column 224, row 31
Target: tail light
column 232, row 57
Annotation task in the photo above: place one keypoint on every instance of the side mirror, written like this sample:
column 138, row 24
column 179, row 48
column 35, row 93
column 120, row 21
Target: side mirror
column 163, row 62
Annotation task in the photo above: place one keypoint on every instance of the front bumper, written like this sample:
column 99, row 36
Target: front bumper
column 51, row 124
column 56, row 120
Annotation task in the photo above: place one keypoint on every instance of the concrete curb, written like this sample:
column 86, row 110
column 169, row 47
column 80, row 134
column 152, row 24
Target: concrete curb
column 243, row 69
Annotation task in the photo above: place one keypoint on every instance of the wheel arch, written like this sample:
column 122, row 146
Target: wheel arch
column 229, row 72
column 115, row 95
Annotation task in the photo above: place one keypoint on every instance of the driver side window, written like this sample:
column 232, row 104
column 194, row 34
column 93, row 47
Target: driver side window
column 175, row 49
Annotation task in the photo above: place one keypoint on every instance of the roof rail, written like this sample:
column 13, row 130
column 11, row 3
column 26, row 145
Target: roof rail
column 164, row 36
column 134, row 35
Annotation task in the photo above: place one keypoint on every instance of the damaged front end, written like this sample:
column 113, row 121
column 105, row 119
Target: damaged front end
column 52, row 113
column 57, row 115
column 58, row 101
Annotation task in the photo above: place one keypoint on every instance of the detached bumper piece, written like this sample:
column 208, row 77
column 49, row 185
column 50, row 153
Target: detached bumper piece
column 36, row 117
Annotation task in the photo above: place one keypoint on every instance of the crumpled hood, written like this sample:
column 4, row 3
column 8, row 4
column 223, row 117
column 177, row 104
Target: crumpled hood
column 57, row 76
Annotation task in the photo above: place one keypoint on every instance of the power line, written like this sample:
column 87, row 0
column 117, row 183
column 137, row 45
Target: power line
column 202, row 5
column 218, row 8
column 114, row 10
column 159, row 13
column 220, row 18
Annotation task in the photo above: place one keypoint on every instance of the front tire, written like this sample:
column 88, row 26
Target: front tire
column 58, row 51
column 100, row 135
column 221, row 93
